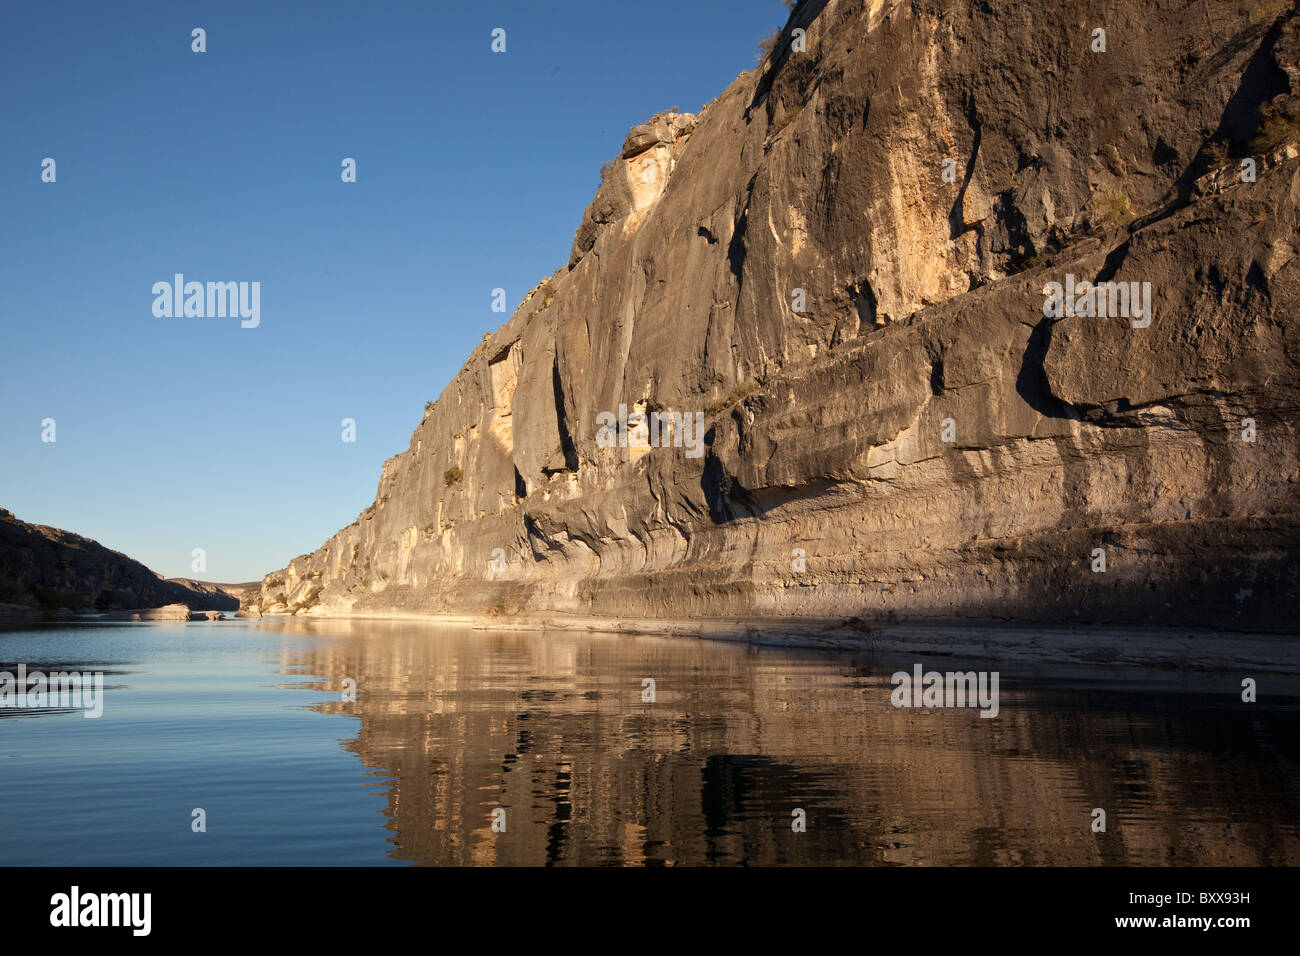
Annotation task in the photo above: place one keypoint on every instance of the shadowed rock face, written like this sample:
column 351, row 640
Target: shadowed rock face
column 42, row 566
column 800, row 264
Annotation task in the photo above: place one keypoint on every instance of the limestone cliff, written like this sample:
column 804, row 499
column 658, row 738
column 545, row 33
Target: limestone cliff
column 841, row 263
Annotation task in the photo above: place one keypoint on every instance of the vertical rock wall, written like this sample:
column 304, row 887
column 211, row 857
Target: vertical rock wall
column 840, row 264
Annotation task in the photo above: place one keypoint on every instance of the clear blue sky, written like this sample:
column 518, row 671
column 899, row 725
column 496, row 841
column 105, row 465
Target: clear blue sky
column 473, row 171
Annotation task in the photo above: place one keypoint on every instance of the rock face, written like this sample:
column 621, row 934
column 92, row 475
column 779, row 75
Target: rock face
column 852, row 266
column 48, row 568
column 170, row 612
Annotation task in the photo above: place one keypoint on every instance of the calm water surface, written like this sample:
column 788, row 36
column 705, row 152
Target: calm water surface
column 248, row 722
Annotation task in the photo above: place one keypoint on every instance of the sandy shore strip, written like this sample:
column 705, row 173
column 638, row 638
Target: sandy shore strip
column 1178, row 648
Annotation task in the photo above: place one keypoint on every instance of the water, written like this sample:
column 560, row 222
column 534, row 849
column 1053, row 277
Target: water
column 247, row 722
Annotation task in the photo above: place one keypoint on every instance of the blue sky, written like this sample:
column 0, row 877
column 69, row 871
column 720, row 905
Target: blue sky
column 473, row 171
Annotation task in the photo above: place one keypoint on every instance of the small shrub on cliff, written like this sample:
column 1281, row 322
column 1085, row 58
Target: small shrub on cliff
column 1025, row 263
column 1112, row 210
column 783, row 115
column 674, row 109
column 767, row 45
column 1279, row 124
column 452, row 475
column 1216, row 154
column 735, row 395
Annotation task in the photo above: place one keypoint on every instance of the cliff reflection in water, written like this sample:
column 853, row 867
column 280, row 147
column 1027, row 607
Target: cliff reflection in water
column 552, row 727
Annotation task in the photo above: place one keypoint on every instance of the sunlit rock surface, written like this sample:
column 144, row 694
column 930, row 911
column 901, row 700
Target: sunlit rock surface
column 841, row 263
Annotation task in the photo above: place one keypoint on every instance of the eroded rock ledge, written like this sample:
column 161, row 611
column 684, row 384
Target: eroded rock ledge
column 827, row 488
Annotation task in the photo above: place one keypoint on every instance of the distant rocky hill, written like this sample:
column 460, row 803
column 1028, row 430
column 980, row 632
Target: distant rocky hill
column 249, row 592
column 46, row 568
column 869, row 268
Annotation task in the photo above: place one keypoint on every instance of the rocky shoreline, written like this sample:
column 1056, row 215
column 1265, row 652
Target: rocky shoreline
column 26, row 614
column 1194, row 649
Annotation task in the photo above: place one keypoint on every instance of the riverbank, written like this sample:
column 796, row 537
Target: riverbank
column 1179, row 648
